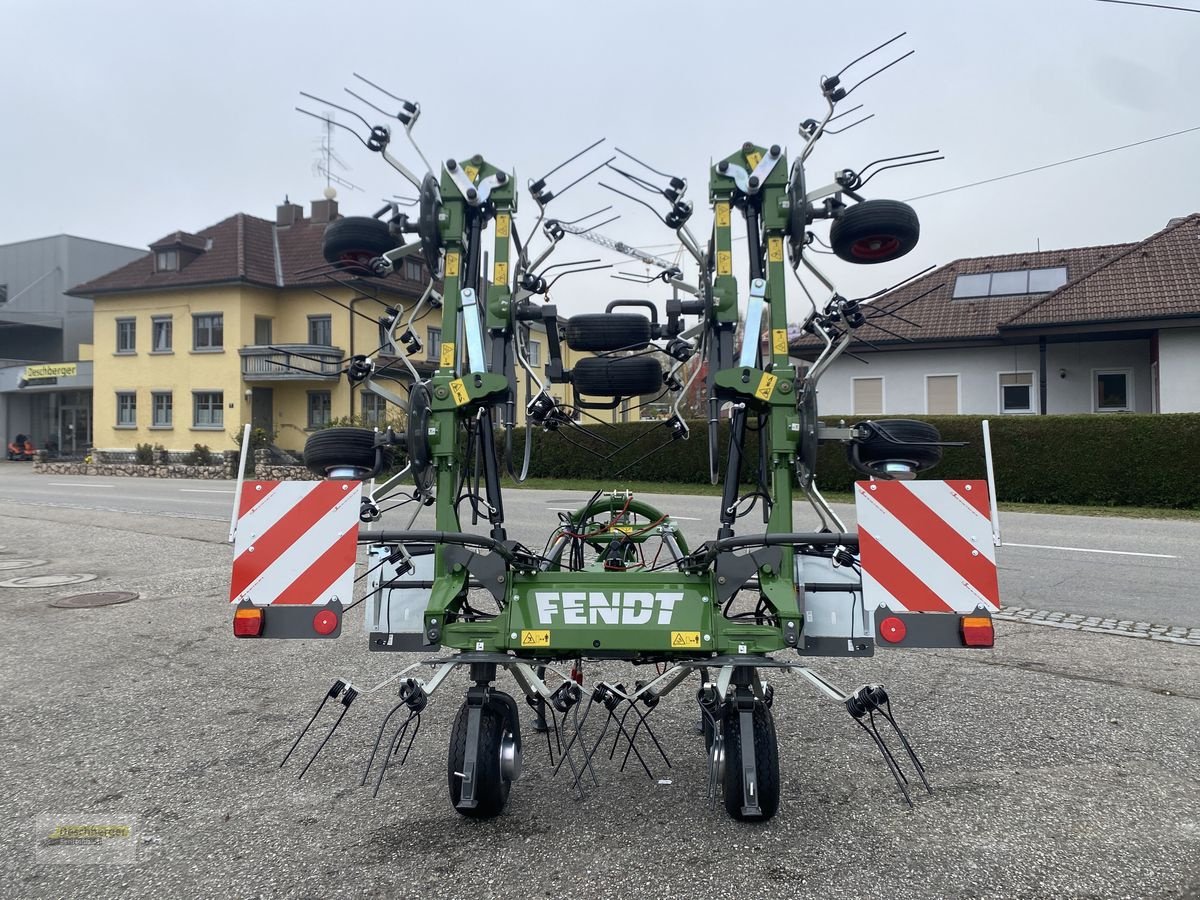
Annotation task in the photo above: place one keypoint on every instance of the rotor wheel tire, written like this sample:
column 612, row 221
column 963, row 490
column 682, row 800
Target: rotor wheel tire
column 766, row 763
column 628, row 376
column 877, row 448
column 875, row 231
column 351, row 243
column 342, row 448
column 600, row 332
column 492, row 787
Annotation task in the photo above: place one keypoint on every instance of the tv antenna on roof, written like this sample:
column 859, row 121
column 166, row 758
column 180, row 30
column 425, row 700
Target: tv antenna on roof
column 327, row 158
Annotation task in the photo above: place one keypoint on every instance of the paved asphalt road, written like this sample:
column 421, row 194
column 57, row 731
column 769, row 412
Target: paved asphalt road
column 1064, row 763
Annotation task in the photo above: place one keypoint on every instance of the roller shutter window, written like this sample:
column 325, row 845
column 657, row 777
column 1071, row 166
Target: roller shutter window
column 941, row 395
column 868, row 396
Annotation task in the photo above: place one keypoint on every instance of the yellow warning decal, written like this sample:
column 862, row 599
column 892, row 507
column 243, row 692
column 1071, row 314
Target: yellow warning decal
column 452, row 265
column 775, row 249
column 765, row 387
column 685, row 639
column 779, row 341
column 722, row 212
column 753, row 159
column 500, row 276
column 724, row 262
column 472, row 173
column 447, row 361
column 536, row 639
column 459, row 391
column 502, row 223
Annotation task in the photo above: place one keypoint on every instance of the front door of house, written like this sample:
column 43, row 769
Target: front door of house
column 74, row 429
column 262, row 413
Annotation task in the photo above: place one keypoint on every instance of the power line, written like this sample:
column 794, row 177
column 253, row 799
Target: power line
column 1061, row 162
column 1152, row 5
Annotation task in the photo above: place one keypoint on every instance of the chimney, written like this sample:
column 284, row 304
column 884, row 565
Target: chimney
column 324, row 211
column 288, row 213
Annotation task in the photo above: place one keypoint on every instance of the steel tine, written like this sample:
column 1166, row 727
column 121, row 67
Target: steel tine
column 378, row 738
column 332, row 692
column 316, row 753
column 392, row 744
column 912, row 754
column 642, row 720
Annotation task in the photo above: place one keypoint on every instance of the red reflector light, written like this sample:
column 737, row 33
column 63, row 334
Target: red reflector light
column 977, row 631
column 247, row 622
column 892, row 630
column 325, row 622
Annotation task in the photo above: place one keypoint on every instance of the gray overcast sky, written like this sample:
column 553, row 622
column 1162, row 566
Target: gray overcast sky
column 124, row 121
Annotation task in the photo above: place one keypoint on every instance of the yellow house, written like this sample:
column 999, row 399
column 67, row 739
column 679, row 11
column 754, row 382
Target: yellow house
column 225, row 327
column 239, row 323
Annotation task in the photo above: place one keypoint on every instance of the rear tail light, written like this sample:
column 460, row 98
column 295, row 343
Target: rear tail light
column 977, row 631
column 247, row 622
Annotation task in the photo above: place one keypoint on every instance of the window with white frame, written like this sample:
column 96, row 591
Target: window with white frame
column 941, row 395
column 161, row 334
column 126, row 335
column 1112, row 390
column 374, row 410
column 433, row 346
column 166, row 261
column 412, row 269
column 208, row 409
column 535, row 353
column 126, row 409
column 1016, row 392
column 320, row 408
column 867, row 396
column 161, row 409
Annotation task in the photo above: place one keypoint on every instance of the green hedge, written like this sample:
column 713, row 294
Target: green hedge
column 1097, row 460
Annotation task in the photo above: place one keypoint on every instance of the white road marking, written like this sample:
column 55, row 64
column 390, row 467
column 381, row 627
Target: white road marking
column 202, row 491
column 1089, row 550
column 575, row 508
column 72, row 484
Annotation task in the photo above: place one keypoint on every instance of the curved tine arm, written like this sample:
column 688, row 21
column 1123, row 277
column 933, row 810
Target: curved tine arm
column 420, row 304
column 818, row 273
column 689, row 243
column 383, row 490
column 825, row 360
column 554, row 280
column 401, row 168
column 816, row 310
column 811, row 140
column 523, row 362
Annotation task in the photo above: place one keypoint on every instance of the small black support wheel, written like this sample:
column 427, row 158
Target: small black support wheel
column 766, row 762
column 625, row 376
column 351, row 243
column 343, row 448
column 875, row 231
column 493, row 775
column 600, row 332
column 900, row 440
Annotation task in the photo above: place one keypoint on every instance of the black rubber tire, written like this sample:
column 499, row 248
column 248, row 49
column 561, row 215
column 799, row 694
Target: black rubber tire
column 428, row 227
column 600, row 332
column 766, row 762
column 875, row 231
column 491, row 792
column 626, row 376
column 342, row 447
column 351, row 243
column 877, row 448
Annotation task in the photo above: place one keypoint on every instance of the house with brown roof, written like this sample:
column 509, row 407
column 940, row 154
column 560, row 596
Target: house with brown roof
column 1113, row 328
column 222, row 327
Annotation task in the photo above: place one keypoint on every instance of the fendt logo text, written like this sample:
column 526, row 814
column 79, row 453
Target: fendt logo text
column 597, row 608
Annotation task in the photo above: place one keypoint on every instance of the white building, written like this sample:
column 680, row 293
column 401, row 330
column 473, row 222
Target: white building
column 1094, row 329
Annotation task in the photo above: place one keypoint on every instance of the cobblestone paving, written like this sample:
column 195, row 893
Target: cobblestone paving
column 1173, row 634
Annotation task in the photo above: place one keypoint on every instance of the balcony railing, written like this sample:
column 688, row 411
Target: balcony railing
column 291, row 362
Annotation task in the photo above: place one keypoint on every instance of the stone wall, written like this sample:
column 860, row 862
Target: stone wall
column 171, row 470
column 265, row 469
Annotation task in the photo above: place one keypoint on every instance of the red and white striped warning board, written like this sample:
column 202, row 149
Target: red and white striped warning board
column 296, row 542
column 926, row 546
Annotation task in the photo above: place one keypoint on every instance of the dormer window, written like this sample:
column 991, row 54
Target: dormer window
column 166, row 261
